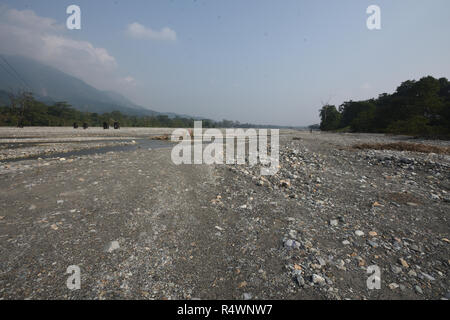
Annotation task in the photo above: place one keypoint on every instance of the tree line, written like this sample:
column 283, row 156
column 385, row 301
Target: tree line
column 420, row 108
column 25, row 110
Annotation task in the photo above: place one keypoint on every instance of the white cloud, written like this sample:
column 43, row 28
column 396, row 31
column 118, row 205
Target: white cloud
column 29, row 20
column 43, row 39
column 138, row 31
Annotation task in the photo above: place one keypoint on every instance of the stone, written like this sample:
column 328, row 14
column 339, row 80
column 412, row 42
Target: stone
column 412, row 273
column 393, row 286
column 372, row 243
column 248, row 296
column 359, row 233
column 334, row 222
column 427, row 276
column 315, row 278
column 113, row 245
column 293, row 233
column 292, row 244
column 418, row 289
column 403, row 263
column 321, row 261
column 285, row 183
column 300, row 280
column 376, row 204
column 396, row 269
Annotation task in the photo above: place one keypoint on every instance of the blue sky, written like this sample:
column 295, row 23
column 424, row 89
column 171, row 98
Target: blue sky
column 253, row 61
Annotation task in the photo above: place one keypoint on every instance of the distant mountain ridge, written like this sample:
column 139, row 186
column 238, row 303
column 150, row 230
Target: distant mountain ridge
column 49, row 85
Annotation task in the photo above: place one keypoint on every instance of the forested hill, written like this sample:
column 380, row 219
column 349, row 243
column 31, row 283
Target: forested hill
column 415, row 108
column 49, row 85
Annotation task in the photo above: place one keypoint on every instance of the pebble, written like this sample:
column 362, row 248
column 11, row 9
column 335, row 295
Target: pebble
column 393, row 286
column 300, row 280
column 372, row 243
column 113, row 245
column 403, row 263
column 317, row 279
column 292, row 244
column 412, row 273
column 247, row 296
column 427, row 276
column 359, row 233
column 396, row 269
column 334, row 222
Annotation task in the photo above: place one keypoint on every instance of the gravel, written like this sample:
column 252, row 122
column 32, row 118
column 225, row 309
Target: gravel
column 140, row 227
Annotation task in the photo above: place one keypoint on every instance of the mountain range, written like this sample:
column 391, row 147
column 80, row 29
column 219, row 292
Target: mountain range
column 50, row 85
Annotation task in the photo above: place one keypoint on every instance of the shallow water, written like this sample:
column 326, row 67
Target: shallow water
column 140, row 144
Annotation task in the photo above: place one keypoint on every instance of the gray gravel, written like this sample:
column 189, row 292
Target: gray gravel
column 140, row 227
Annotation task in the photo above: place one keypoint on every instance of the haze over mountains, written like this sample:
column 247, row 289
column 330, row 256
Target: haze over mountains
column 50, row 85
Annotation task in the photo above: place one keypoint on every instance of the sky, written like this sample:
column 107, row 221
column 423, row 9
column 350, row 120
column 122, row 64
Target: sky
column 258, row 61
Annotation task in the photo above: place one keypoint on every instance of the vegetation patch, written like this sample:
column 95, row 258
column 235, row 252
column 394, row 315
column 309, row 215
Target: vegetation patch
column 164, row 137
column 416, row 108
column 404, row 146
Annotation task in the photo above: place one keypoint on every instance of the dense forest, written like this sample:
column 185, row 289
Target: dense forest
column 420, row 108
column 25, row 110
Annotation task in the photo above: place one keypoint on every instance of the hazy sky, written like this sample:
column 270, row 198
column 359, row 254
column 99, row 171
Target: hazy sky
column 253, row 61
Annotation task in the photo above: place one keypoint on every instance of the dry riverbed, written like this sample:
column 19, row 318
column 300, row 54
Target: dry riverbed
column 140, row 227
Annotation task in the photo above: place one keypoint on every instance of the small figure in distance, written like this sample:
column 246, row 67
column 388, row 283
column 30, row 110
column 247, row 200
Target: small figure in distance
column 20, row 124
column 116, row 125
column 85, row 125
column 105, row 125
column 75, row 125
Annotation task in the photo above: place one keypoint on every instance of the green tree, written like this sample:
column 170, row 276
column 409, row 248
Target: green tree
column 330, row 118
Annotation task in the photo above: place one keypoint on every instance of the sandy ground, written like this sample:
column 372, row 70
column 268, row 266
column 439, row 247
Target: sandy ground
column 140, row 227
